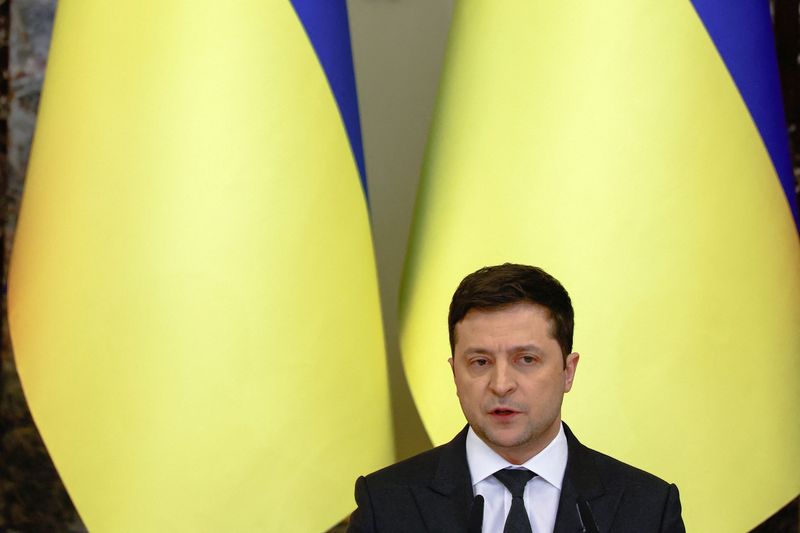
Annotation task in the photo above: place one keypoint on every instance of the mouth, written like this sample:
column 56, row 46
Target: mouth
column 502, row 413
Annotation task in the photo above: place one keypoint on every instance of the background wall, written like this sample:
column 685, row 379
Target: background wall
column 399, row 47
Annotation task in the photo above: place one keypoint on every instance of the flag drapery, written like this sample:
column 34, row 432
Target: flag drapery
column 630, row 149
column 193, row 297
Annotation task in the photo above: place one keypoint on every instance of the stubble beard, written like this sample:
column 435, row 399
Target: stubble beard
column 529, row 436
column 526, row 436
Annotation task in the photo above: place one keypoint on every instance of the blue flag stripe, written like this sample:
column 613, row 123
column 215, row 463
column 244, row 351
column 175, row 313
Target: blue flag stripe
column 327, row 27
column 753, row 65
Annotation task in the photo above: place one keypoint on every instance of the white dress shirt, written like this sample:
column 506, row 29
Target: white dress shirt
column 541, row 493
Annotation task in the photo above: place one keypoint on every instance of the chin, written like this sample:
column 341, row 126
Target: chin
column 505, row 439
column 517, row 441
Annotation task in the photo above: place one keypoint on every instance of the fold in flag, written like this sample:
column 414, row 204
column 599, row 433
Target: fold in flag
column 633, row 151
column 193, row 297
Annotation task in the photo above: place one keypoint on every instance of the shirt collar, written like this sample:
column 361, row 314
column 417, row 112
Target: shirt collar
column 549, row 464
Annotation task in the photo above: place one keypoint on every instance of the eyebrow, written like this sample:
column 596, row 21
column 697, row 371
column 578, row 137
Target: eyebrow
column 527, row 348
column 514, row 349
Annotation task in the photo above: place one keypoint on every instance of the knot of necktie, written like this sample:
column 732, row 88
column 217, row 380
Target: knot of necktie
column 514, row 480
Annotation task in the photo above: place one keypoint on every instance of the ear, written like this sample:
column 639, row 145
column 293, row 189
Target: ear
column 570, row 366
column 452, row 366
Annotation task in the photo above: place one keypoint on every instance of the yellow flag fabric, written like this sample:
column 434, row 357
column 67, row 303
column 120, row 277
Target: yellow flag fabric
column 193, row 297
column 607, row 143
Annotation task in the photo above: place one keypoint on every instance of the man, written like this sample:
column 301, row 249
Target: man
column 516, row 467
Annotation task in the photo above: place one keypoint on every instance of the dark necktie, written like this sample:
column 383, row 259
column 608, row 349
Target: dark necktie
column 515, row 481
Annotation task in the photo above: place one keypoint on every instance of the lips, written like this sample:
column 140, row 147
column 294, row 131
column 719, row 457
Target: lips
column 503, row 413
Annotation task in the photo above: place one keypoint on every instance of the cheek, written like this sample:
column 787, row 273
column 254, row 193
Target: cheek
column 545, row 388
column 466, row 390
column 460, row 387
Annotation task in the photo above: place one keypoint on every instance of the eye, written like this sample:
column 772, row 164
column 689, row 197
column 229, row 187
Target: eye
column 527, row 359
column 480, row 361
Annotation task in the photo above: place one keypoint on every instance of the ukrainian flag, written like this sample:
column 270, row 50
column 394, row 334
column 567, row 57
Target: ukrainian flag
column 193, row 297
column 637, row 151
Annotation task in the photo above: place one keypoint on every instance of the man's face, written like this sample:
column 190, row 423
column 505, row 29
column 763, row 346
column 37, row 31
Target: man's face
column 511, row 378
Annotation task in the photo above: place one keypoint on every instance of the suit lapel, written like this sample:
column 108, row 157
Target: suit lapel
column 582, row 482
column 445, row 502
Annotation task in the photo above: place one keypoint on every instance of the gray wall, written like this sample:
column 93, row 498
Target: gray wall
column 398, row 46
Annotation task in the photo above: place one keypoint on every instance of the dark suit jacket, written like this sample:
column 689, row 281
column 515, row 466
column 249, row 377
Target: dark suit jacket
column 433, row 492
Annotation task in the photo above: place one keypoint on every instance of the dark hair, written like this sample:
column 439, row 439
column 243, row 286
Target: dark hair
column 498, row 286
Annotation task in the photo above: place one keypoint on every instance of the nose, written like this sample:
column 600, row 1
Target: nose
column 502, row 382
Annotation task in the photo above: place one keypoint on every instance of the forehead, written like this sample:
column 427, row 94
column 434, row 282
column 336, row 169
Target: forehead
column 522, row 319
